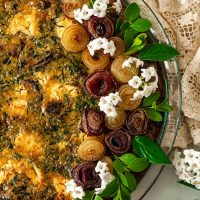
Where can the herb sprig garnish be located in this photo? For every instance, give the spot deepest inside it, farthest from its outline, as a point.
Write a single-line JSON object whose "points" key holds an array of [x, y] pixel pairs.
{"points": [[133, 29], [153, 109]]}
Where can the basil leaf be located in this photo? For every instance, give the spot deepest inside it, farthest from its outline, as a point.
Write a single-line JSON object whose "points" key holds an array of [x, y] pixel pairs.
{"points": [[130, 178], [97, 197], [138, 43], [150, 150], [128, 37], [132, 12], [124, 26], [153, 115], [141, 25], [118, 196], [164, 108], [125, 194], [118, 166], [110, 190], [118, 25], [127, 158], [188, 185], [88, 195], [138, 165], [158, 52], [150, 99], [123, 179]]}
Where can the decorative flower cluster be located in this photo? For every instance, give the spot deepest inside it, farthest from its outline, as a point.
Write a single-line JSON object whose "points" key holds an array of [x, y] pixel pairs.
{"points": [[147, 83], [102, 43], [107, 104], [106, 177], [76, 191], [99, 9], [188, 167]]}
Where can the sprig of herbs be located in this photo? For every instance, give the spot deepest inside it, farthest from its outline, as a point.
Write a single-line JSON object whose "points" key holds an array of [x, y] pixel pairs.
{"points": [[153, 109]]}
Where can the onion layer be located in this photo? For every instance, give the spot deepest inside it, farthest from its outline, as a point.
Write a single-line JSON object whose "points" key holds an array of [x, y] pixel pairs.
{"points": [[119, 142], [122, 75], [137, 122], [126, 93], [92, 122], [99, 83], [75, 38], [100, 27], [84, 174], [91, 150], [117, 122], [98, 61]]}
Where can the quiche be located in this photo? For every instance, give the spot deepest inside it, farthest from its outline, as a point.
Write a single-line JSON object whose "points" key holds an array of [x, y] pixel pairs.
{"points": [[72, 90]]}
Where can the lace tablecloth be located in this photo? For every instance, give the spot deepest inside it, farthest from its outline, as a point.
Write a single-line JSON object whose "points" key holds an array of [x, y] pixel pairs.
{"points": [[181, 20]]}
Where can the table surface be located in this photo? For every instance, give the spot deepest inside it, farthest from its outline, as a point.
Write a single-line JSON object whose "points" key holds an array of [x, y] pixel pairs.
{"points": [[167, 188]]}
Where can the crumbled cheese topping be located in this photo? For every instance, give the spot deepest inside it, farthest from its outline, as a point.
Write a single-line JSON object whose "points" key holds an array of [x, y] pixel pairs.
{"points": [[145, 87], [188, 167], [102, 43], [76, 191], [117, 6], [107, 104], [132, 61], [106, 177]]}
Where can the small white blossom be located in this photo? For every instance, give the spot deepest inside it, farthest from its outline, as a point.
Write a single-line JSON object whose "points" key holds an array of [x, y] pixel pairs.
{"points": [[132, 61], [117, 6], [100, 10], [135, 82], [78, 193], [109, 47], [115, 98], [86, 12], [110, 111], [138, 95], [146, 74], [78, 15], [106, 178], [101, 167], [70, 185], [148, 89], [100, 2], [154, 85]]}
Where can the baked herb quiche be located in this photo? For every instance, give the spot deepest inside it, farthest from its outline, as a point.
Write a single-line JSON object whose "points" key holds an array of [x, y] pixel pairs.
{"points": [[81, 99]]}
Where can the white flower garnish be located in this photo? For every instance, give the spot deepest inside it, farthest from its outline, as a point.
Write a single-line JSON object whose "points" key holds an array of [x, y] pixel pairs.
{"points": [[110, 111], [188, 166], [102, 43], [106, 177], [117, 6], [86, 12], [76, 191], [148, 73], [115, 98], [100, 2], [78, 15], [135, 82], [138, 95], [100, 10], [147, 90], [132, 61]]}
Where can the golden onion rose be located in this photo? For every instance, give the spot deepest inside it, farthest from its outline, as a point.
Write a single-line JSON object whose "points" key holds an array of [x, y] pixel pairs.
{"points": [[126, 93], [120, 46], [122, 75], [75, 38], [70, 5], [117, 122], [109, 162], [98, 61], [91, 149]]}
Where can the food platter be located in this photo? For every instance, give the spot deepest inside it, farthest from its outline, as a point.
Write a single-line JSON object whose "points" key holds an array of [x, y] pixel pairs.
{"points": [[55, 122]]}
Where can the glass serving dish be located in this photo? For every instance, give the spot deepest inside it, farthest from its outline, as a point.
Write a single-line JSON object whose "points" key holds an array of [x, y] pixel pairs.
{"points": [[171, 123]]}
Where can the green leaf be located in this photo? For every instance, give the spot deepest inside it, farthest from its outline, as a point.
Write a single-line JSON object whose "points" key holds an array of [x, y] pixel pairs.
{"points": [[150, 150], [127, 158], [118, 166], [130, 178], [123, 179], [118, 25], [88, 195], [110, 190], [138, 43], [188, 185], [124, 26], [91, 3], [150, 99], [125, 194], [153, 115], [164, 106], [128, 37], [158, 52], [154, 106], [132, 12], [138, 165], [141, 25], [97, 197]]}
